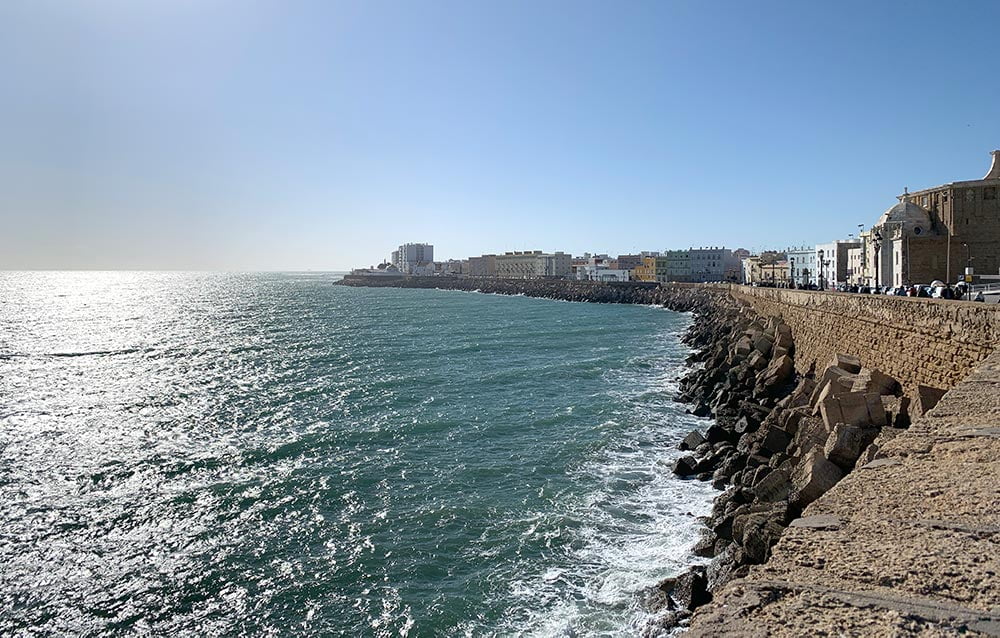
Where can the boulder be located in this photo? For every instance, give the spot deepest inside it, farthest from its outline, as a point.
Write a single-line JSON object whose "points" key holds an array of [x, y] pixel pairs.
{"points": [[743, 346], [743, 425], [846, 362], [853, 408], [876, 409], [777, 373], [692, 440], [720, 479], [802, 392], [759, 473], [723, 569], [812, 434], [834, 382], [775, 486], [757, 528], [874, 381], [789, 420], [758, 361], [763, 345], [896, 411], [778, 460], [718, 434], [775, 440], [845, 444], [759, 537], [783, 336], [690, 589], [925, 400], [685, 466], [813, 476]]}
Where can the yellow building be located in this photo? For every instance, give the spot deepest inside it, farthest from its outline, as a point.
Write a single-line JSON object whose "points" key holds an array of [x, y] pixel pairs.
{"points": [[646, 271]]}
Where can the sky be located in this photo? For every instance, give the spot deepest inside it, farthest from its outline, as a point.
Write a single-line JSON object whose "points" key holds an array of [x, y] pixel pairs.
{"points": [[297, 135]]}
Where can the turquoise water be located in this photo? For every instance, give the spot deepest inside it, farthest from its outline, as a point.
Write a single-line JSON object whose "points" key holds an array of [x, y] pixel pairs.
{"points": [[268, 454]]}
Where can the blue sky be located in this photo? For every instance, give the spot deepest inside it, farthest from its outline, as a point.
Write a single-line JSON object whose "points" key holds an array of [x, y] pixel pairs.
{"points": [[190, 134]]}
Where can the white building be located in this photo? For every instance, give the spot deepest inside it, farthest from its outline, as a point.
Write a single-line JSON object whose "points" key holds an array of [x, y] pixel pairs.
{"points": [[832, 262], [533, 264], [713, 264], [802, 265], [599, 272], [408, 256], [452, 267]]}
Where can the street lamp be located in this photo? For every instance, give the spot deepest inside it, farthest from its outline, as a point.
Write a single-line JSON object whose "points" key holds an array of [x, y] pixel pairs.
{"points": [[877, 243], [968, 268], [821, 270]]}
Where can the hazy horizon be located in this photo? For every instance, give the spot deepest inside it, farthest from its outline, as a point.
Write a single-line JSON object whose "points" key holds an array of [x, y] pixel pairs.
{"points": [[319, 136]]}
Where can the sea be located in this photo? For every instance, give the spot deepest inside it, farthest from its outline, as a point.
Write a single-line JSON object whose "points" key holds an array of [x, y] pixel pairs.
{"points": [[268, 454]]}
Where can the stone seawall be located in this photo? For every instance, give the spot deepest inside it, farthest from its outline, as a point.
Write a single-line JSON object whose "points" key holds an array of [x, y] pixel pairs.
{"points": [[927, 342]]}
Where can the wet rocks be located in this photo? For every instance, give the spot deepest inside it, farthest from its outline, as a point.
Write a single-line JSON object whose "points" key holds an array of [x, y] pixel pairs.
{"points": [[686, 466], [692, 440]]}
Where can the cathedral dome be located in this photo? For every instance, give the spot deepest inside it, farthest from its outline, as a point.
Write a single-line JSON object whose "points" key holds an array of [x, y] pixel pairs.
{"points": [[915, 219]]}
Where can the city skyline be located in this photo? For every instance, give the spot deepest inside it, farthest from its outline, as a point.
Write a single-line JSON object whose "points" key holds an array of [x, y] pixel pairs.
{"points": [[320, 136]]}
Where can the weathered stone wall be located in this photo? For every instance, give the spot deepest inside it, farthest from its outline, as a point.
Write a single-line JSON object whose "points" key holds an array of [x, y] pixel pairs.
{"points": [[917, 341]]}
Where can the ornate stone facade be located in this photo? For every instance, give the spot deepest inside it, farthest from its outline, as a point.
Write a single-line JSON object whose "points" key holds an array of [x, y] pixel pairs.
{"points": [[936, 232]]}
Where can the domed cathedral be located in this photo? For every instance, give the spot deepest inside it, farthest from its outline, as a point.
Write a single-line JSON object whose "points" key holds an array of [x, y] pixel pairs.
{"points": [[937, 232]]}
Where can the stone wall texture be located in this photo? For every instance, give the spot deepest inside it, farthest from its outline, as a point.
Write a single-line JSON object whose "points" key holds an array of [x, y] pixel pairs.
{"points": [[928, 342]]}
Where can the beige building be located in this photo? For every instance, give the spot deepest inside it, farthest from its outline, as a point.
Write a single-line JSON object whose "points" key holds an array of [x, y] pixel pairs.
{"points": [[775, 273], [484, 266], [855, 270], [533, 264], [629, 262], [758, 269], [935, 233]]}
